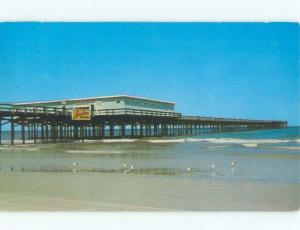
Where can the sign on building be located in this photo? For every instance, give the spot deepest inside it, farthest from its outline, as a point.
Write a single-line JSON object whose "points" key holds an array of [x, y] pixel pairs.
{"points": [[81, 115]]}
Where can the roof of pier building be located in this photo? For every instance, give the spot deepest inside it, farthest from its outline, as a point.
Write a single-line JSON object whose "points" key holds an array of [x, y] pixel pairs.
{"points": [[91, 100]]}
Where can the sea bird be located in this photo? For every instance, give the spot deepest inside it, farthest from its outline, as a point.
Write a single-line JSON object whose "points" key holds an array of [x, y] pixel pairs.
{"points": [[232, 163]]}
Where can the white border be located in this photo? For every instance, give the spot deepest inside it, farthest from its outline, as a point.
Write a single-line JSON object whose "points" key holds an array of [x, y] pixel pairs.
{"points": [[150, 10], [151, 221]]}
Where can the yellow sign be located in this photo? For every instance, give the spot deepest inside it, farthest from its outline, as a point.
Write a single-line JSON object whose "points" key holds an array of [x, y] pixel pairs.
{"points": [[81, 115]]}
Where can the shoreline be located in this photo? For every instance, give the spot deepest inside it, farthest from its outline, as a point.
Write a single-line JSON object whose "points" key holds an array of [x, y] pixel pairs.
{"points": [[118, 192]]}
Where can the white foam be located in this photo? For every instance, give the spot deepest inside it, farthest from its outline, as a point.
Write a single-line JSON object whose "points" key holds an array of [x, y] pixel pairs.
{"points": [[31, 149], [18, 142], [238, 141], [250, 145], [90, 141], [118, 140], [195, 139], [244, 142], [95, 151], [166, 141], [288, 147]]}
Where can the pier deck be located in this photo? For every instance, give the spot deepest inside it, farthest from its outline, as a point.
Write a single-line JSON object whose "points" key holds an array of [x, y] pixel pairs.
{"points": [[51, 124]]}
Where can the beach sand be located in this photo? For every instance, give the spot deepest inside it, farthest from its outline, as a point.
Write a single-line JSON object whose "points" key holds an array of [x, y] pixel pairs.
{"points": [[57, 191]]}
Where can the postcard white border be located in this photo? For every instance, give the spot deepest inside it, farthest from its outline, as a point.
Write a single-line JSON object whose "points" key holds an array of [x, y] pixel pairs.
{"points": [[150, 10]]}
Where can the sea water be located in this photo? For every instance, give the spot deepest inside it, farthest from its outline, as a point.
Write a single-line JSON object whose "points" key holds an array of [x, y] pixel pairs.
{"points": [[264, 156]]}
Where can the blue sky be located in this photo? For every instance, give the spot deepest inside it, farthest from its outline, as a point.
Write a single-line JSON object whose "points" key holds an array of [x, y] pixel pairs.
{"points": [[246, 70]]}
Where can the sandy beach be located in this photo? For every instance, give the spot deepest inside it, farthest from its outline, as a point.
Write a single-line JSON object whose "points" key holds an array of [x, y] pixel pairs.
{"points": [[246, 171], [35, 191]]}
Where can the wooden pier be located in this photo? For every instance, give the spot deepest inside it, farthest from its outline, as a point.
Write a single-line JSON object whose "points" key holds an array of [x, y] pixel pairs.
{"points": [[50, 124]]}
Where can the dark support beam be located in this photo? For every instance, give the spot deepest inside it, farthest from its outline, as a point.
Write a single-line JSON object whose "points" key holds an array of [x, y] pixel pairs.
{"points": [[34, 131], [94, 131], [75, 132], [12, 129], [23, 131], [123, 130], [43, 132], [47, 132], [82, 132], [141, 130], [28, 131], [60, 132], [102, 130], [0, 130], [111, 131], [132, 130]]}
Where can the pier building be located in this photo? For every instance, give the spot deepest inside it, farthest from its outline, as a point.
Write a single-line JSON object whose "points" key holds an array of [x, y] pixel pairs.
{"points": [[107, 102]]}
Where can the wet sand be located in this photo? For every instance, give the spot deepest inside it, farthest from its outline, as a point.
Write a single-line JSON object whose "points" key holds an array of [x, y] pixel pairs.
{"points": [[57, 191]]}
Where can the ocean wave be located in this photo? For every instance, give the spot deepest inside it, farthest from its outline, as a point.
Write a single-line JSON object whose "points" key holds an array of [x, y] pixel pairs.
{"points": [[118, 140], [166, 141], [287, 147], [251, 145], [89, 141], [18, 142], [243, 142], [96, 151], [238, 141]]}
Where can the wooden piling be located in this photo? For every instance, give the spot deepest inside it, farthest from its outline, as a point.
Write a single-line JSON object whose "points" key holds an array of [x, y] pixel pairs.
{"points": [[111, 131], [0, 130], [23, 131], [123, 130], [12, 129], [34, 132]]}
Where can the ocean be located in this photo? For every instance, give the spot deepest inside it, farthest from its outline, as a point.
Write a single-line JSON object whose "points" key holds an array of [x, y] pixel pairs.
{"points": [[248, 159]]}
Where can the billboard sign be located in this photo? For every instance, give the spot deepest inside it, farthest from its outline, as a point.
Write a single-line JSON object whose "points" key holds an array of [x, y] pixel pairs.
{"points": [[81, 115]]}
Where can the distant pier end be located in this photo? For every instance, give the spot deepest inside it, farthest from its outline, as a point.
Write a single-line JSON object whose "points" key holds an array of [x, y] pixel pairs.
{"points": [[111, 117]]}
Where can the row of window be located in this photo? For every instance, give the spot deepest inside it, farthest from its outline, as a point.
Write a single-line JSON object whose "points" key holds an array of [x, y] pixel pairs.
{"points": [[136, 103]]}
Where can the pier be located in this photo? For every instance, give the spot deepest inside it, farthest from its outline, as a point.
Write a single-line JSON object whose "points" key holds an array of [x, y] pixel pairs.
{"points": [[42, 124]]}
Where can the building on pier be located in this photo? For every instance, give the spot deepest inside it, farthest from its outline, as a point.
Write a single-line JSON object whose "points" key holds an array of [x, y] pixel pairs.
{"points": [[108, 102]]}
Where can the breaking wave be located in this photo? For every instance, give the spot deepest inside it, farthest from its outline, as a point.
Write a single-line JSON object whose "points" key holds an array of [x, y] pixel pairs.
{"points": [[287, 147], [239, 141], [18, 142], [243, 142], [118, 140], [251, 145], [95, 151], [167, 141]]}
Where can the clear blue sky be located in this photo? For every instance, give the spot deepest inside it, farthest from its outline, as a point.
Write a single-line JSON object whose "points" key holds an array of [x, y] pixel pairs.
{"points": [[248, 70]]}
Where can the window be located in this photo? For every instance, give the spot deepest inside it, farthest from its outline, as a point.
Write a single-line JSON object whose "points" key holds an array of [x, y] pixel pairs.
{"points": [[118, 101]]}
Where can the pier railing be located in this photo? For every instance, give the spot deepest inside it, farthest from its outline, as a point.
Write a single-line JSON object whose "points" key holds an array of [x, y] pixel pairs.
{"points": [[68, 111], [125, 111], [135, 112], [215, 119]]}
